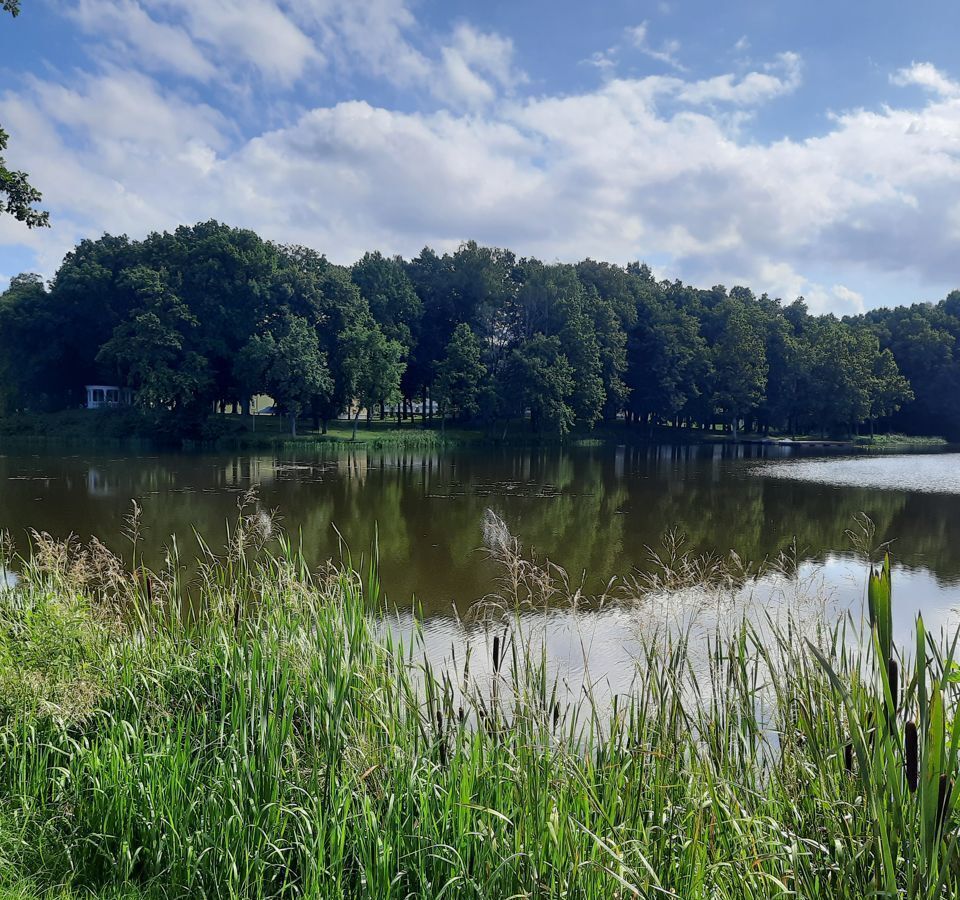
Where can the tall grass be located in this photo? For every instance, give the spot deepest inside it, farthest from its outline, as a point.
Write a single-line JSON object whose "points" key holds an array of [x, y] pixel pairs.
{"points": [[272, 741]]}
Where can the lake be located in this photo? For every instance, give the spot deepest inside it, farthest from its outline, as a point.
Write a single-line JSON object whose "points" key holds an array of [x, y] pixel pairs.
{"points": [[596, 511]]}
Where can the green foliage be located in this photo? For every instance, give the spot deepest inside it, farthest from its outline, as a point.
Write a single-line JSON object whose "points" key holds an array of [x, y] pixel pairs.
{"points": [[288, 364], [17, 195], [460, 374], [373, 366], [268, 737], [390, 294], [739, 363], [539, 378], [907, 767], [185, 318], [152, 349], [880, 608]]}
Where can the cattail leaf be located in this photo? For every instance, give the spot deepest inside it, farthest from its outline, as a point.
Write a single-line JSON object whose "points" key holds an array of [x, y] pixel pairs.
{"points": [[932, 769], [921, 671], [944, 796], [880, 608]]}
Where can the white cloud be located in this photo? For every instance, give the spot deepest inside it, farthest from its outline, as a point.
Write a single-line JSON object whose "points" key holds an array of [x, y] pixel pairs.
{"points": [[927, 76], [665, 53], [219, 40], [638, 34], [636, 168], [752, 88], [124, 110], [202, 40], [475, 67], [604, 60], [849, 298], [156, 45], [372, 36], [257, 32]]}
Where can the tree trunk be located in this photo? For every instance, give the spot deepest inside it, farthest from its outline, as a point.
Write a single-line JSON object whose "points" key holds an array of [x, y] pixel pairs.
{"points": [[735, 427], [356, 419], [293, 424]]}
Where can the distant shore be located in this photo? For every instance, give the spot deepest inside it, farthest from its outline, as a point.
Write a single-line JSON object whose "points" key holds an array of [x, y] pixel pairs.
{"points": [[130, 429]]}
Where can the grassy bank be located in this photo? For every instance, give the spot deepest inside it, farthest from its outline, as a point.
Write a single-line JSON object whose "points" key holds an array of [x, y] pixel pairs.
{"points": [[900, 441], [271, 744], [137, 429]]}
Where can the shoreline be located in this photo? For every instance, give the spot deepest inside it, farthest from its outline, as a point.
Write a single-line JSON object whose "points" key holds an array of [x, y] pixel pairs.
{"points": [[108, 430]]}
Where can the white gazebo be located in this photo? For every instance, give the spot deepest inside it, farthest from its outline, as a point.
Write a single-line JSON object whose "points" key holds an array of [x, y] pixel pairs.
{"points": [[100, 396]]}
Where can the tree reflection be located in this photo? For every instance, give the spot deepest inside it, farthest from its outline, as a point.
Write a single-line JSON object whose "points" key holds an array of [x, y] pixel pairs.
{"points": [[590, 510]]}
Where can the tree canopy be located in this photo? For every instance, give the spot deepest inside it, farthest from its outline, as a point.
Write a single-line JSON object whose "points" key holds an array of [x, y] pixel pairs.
{"points": [[208, 315]]}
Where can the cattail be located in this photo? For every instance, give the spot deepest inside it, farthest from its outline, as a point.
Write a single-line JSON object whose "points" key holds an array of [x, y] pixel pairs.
{"points": [[443, 753], [556, 714], [236, 615], [496, 654], [911, 754], [461, 715], [944, 793], [871, 729], [439, 722], [848, 757], [149, 581], [893, 677]]}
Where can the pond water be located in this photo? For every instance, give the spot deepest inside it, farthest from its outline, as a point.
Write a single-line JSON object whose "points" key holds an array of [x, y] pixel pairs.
{"points": [[595, 511]]}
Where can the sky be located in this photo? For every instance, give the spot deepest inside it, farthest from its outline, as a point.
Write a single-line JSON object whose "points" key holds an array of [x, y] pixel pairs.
{"points": [[798, 148]]}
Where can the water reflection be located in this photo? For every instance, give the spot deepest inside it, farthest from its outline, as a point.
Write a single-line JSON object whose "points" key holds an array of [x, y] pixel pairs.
{"points": [[592, 510], [934, 473], [597, 650]]}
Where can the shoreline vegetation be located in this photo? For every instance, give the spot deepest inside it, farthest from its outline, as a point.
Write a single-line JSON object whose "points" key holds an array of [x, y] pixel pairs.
{"points": [[267, 740], [133, 428], [206, 318]]}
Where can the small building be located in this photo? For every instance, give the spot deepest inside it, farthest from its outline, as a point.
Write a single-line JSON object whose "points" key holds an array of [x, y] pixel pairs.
{"points": [[101, 396]]}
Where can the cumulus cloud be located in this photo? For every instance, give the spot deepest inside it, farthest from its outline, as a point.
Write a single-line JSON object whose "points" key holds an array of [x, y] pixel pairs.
{"points": [[642, 168], [927, 76], [476, 67]]}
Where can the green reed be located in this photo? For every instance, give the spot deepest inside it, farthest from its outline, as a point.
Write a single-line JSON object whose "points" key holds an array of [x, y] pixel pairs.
{"points": [[267, 739]]}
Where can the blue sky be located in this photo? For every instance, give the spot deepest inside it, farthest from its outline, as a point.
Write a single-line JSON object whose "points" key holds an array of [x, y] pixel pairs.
{"points": [[801, 148]]}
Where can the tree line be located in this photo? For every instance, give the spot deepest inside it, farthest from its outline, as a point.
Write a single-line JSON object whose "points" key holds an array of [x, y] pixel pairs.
{"points": [[208, 316]]}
